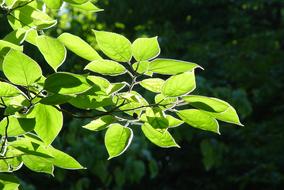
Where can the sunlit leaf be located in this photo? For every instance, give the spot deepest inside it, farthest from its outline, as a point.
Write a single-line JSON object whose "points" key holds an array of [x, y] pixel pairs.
{"points": [[30, 16], [115, 46], [52, 49], [199, 119], [145, 48], [161, 138], [67, 83], [76, 1], [79, 46], [153, 84], [100, 123], [219, 109], [171, 66], [180, 84], [16, 126], [142, 67], [63, 160], [117, 139], [53, 4], [21, 69], [8, 90], [88, 6], [49, 122], [173, 122], [9, 182], [106, 67]]}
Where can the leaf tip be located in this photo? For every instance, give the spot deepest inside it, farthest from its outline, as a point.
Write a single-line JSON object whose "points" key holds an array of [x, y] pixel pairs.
{"points": [[240, 124], [200, 67]]}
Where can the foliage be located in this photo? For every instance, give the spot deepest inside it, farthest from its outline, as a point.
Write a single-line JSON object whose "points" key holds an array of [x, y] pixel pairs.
{"points": [[33, 104]]}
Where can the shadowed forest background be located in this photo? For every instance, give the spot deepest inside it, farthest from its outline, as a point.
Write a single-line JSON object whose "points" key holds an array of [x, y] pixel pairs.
{"points": [[240, 43]]}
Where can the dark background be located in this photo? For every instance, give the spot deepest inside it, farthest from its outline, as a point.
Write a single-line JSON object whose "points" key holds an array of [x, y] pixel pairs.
{"points": [[240, 43]]}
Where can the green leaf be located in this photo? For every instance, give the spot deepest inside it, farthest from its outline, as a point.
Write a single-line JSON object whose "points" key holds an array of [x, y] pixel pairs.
{"points": [[17, 126], [31, 144], [171, 66], [63, 160], [132, 101], [115, 46], [7, 44], [38, 164], [53, 4], [12, 161], [67, 83], [106, 67], [31, 37], [207, 103], [229, 116], [178, 85], [115, 87], [9, 182], [165, 102], [145, 48], [52, 49], [4, 49], [88, 6], [49, 122], [30, 16], [199, 119], [161, 138], [16, 37], [142, 67], [219, 109], [100, 123], [79, 46], [90, 102], [153, 84], [173, 122], [100, 81], [117, 139], [76, 1], [156, 118], [8, 90], [105, 87], [21, 69], [36, 156]]}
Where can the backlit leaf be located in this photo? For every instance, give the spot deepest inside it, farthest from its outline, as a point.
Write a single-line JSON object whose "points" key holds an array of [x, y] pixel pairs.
{"points": [[117, 139], [153, 84], [21, 69], [145, 48], [115, 46], [171, 66], [67, 83], [161, 138], [79, 46], [106, 67], [52, 49], [199, 119], [100, 123], [180, 84], [49, 122]]}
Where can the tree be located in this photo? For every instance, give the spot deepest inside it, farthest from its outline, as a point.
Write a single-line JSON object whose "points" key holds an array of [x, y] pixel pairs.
{"points": [[32, 103]]}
